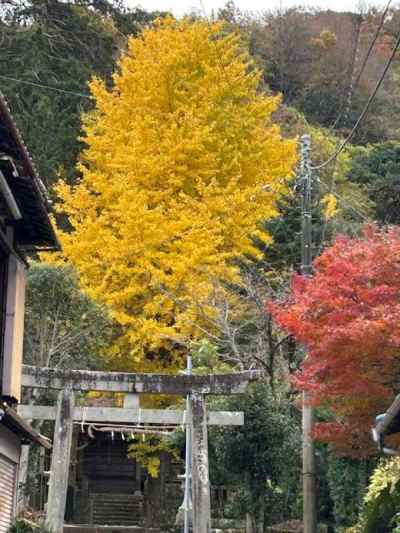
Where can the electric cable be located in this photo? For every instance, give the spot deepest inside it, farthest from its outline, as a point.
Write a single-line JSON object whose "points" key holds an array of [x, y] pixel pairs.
{"points": [[366, 58], [325, 223], [340, 198], [48, 87], [372, 44], [364, 111]]}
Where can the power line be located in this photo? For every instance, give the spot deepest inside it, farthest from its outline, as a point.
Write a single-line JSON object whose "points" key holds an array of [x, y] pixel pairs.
{"points": [[325, 224], [372, 44], [365, 60], [359, 202], [345, 203], [47, 87], [346, 102], [364, 111], [363, 216]]}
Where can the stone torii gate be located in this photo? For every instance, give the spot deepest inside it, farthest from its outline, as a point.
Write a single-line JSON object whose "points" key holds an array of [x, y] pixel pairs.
{"points": [[68, 381]]}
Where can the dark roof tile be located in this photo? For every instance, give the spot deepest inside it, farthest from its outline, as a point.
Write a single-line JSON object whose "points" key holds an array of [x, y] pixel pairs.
{"points": [[35, 205]]}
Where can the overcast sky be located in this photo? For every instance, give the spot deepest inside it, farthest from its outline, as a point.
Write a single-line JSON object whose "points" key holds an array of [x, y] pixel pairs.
{"points": [[179, 7]]}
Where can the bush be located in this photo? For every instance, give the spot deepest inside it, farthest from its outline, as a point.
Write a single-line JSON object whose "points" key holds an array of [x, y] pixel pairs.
{"points": [[22, 525], [348, 483], [382, 501], [259, 461]]}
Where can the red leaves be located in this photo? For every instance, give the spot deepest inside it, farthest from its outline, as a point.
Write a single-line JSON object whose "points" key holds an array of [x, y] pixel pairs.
{"points": [[348, 317]]}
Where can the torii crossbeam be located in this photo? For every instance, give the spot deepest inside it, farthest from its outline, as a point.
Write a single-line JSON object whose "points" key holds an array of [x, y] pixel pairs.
{"points": [[68, 381], [180, 384]]}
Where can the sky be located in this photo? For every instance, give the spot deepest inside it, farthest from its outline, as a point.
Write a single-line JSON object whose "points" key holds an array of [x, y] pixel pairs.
{"points": [[179, 7]]}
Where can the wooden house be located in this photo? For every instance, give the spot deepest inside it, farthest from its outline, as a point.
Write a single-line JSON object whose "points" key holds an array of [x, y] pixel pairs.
{"points": [[25, 227]]}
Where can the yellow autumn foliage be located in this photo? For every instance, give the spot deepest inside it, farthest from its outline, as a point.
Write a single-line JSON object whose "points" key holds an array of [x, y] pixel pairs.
{"points": [[147, 451], [330, 205], [183, 160]]}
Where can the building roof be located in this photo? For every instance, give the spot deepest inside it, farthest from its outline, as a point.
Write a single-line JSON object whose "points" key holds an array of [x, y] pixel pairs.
{"points": [[19, 426], [34, 230]]}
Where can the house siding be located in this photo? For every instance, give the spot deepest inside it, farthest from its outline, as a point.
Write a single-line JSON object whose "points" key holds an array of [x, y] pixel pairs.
{"points": [[10, 449]]}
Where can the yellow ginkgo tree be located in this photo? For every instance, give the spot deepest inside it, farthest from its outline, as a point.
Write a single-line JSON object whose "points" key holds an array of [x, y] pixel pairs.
{"points": [[182, 161]]}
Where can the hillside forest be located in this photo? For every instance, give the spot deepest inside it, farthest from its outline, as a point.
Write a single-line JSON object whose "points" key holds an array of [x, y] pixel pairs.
{"points": [[170, 151]]}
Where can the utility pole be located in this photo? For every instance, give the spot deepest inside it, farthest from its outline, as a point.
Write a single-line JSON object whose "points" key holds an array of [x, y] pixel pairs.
{"points": [[309, 482]]}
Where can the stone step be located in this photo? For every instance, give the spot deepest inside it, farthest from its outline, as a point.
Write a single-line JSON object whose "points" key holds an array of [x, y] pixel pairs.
{"points": [[108, 529], [126, 523], [112, 503], [125, 501], [115, 515], [129, 529], [111, 499], [122, 495], [114, 508], [116, 518]]}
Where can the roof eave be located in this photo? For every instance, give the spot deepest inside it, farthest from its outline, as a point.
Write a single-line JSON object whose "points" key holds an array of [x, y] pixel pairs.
{"points": [[22, 428], [30, 170]]}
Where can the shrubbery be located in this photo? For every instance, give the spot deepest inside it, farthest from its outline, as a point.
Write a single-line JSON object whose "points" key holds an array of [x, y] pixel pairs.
{"points": [[380, 513], [22, 525]]}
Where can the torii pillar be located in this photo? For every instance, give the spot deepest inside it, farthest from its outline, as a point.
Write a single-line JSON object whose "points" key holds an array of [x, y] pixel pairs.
{"points": [[58, 485], [200, 474]]}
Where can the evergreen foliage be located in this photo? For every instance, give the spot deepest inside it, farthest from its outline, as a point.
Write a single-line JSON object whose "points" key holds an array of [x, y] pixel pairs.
{"points": [[260, 459], [62, 45], [348, 481], [26, 526], [377, 168], [380, 513], [63, 327]]}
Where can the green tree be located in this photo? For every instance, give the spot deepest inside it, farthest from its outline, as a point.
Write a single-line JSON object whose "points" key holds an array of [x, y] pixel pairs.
{"points": [[62, 45], [347, 480], [314, 57], [63, 327], [260, 461], [377, 168], [380, 510]]}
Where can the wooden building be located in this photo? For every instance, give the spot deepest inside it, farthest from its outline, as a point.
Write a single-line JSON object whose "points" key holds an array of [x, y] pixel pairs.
{"points": [[106, 487], [25, 227]]}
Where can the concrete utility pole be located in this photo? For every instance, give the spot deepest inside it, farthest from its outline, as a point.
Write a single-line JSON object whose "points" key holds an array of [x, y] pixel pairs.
{"points": [[309, 484]]}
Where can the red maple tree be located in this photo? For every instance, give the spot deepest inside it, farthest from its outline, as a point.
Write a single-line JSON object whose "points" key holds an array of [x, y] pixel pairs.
{"points": [[347, 316]]}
